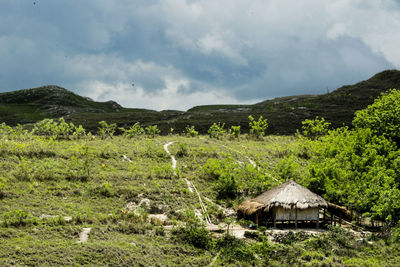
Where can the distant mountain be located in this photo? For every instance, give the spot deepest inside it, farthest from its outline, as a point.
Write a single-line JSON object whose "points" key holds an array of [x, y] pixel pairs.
{"points": [[284, 114], [29, 105]]}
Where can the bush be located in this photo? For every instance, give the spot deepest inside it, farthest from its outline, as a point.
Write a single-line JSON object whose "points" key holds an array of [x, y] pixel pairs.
{"points": [[235, 131], [58, 129], [257, 128], [190, 131], [193, 232], [152, 131], [235, 250], [288, 168], [315, 128], [106, 189], [216, 130], [106, 130], [134, 131], [358, 169], [18, 218], [183, 150], [79, 166], [382, 117], [79, 132]]}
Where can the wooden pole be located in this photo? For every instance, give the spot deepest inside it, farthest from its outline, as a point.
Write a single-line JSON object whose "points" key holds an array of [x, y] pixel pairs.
{"points": [[296, 219], [318, 219]]}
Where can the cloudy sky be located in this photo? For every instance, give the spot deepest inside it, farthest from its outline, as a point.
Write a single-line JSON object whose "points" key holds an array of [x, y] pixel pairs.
{"points": [[175, 54]]}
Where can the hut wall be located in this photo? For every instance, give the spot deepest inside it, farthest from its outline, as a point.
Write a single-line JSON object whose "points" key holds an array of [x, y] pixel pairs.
{"points": [[310, 214]]}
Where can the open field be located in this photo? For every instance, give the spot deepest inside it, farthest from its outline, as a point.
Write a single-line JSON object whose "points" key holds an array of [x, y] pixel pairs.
{"points": [[127, 193]]}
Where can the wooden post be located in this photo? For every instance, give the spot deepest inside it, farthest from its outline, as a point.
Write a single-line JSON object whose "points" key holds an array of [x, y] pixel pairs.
{"points": [[296, 219], [274, 222], [318, 219]]}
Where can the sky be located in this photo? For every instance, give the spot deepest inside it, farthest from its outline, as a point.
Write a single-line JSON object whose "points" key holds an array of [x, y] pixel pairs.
{"points": [[176, 54]]}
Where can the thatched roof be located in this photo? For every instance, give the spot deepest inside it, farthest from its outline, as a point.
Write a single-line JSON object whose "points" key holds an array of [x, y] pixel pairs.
{"points": [[339, 211], [287, 195]]}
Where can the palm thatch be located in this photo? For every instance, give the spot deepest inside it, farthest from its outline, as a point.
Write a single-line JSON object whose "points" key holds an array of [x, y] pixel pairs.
{"points": [[287, 195], [339, 211]]}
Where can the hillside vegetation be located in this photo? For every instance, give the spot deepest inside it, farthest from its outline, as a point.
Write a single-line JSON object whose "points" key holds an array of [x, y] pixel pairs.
{"points": [[284, 114], [58, 182]]}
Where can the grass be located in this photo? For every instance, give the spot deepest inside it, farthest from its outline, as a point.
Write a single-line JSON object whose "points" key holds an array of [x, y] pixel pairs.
{"points": [[90, 181]]}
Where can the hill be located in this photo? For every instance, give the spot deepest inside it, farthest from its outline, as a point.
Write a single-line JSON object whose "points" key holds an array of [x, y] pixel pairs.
{"points": [[119, 202], [284, 114], [30, 105]]}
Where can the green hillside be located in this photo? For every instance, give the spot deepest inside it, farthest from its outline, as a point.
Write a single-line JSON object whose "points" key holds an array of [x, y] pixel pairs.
{"points": [[73, 198], [284, 114]]}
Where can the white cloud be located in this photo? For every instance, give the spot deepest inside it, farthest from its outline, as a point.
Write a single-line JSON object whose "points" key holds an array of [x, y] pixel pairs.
{"points": [[226, 49], [170, 97], [116, 84]]}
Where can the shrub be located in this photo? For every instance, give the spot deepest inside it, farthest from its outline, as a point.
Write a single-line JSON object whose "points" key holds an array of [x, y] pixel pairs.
{"points": [[216, 130], [106, 130], [225, 172], [257, 128], [134, 131], [235, 131], [79, 166], [58, 129], [106, 189], [383, 116], [183, 150], [79, 132], [190, 131], [235, 250], [315, 128], [152, 130], [288, 168], [193, 232], [18, 218]]}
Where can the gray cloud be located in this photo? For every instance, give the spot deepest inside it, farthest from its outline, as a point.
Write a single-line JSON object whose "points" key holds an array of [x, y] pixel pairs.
{"points": [[211, 51]]}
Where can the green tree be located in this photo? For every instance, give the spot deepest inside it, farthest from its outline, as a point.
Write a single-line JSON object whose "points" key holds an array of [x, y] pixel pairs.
{"points": [[190, 131], [383, 116], [106, 130], [152, 130], [133, 131], [315, 128], [216, 130], [235, 131], [257, 128]]}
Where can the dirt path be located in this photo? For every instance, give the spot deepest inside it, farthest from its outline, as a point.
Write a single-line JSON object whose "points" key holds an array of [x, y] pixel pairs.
{"points": [[248, 158], [192, 188], [240, 153], [172, 156], [84, 235]]}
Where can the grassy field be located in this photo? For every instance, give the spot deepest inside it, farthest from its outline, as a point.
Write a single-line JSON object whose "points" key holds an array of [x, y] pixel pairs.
{"points": [[51, 189]]}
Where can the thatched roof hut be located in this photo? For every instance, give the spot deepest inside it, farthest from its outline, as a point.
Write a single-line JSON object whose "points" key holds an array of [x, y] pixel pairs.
{"points": [[286, 202]]}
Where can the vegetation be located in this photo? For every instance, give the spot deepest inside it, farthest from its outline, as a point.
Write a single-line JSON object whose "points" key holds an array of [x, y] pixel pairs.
{"points": [[284, 114], [315, 128], [57, 179], [359, 168], [216, 130], [257, 128]]}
